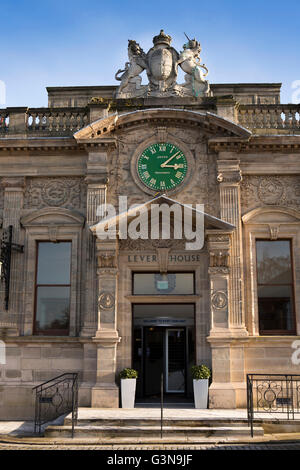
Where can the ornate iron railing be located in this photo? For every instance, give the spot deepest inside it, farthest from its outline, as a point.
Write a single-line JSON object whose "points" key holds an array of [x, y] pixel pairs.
{"points": [[275, 393], [54, 398]]}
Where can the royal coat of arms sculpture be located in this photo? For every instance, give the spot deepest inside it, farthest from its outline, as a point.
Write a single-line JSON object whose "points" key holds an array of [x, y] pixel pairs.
{"points": [[161, 64]]}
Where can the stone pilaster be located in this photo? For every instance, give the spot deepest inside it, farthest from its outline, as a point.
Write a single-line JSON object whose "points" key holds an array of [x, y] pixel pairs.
{"points": [[219, 247], [96, 197], [13, 204], [105, 394], [229, 178]]}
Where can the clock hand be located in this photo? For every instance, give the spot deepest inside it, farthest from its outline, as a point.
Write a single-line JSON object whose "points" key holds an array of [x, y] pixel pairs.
{"points": [[171, 158], [176, 166]]}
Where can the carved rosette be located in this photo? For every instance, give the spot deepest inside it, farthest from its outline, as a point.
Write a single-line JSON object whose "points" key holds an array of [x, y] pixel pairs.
{"points": [[55, 192], [106, 300], [257, 191]]}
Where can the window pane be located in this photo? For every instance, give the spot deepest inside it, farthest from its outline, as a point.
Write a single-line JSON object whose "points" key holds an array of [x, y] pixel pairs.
{"points": [[273, 262], [275, 313], [52, 312], [54, 263], [163, 284]]}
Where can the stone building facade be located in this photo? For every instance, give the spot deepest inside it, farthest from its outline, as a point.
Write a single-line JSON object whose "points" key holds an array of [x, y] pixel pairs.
{"points": [[113, 303]]}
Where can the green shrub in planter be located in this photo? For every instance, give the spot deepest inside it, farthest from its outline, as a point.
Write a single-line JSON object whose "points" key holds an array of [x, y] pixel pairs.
{"points": [[200, 372], [128, 374]]}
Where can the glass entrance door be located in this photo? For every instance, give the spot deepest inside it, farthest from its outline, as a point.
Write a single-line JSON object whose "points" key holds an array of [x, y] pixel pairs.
{"points": [[153, 360], [164, 352], [163, 341], [175, 360]]}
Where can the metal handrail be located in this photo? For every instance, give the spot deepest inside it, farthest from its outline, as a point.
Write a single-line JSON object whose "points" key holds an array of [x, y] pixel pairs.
{"points": [[161, 404], [56, 397], [273, 393]]}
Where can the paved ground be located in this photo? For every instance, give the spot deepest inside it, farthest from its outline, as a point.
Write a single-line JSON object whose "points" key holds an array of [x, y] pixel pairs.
{"points": [[55, 447]]}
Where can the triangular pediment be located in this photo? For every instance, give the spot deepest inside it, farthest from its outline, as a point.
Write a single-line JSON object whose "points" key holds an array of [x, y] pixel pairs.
{"points": [[209, 123], [192, 211]]}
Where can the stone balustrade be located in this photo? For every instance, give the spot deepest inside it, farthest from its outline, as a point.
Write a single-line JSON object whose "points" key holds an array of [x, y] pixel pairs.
{"points": [[284, 117], [4, 120], [58, 120], [263, 119], [43, 121]]}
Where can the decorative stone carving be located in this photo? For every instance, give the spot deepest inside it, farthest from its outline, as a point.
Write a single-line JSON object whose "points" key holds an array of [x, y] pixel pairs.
{"points": [[274, 231], [219, 299], [218, 270], [55, 192], [219, 258], [151, 245], [270, 191], [107, 260], [53, 232], [106, 300], [163, 258], [229, 177], [190, 62], [161, 64]]}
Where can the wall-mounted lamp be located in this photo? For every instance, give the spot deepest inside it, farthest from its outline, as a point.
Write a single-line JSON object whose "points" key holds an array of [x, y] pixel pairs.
{"points": [[6, 247]]}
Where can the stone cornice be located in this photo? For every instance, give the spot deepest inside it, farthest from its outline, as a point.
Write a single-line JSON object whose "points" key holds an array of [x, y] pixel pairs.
{"points": [[280, 143], [46, 144], [211, 124]]}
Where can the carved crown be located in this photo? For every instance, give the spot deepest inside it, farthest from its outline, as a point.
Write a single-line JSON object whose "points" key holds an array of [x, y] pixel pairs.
{"points": [[162, 38]]}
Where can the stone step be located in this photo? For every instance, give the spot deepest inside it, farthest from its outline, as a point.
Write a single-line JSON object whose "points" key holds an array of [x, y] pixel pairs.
{"points": [[155, 421], [187, 432]]}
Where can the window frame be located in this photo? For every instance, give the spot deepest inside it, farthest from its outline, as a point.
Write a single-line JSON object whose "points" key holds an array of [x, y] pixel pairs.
{"points": [[52, 332], [53, 224], [158, 272], [283, 332]]}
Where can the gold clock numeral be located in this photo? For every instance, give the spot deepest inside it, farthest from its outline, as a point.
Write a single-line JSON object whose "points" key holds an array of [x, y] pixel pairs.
{"points": [[146, 174], [178, 174], [152, 181]]}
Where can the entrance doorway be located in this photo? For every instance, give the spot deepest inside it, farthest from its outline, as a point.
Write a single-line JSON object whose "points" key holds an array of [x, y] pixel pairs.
{"points": [[160, 346]]}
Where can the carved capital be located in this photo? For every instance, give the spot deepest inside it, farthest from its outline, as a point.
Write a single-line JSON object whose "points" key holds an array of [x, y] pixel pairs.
{"points": [[218, 270], [230, 177], [229, 172], [17, 182], [107, 260], [219, 259]]}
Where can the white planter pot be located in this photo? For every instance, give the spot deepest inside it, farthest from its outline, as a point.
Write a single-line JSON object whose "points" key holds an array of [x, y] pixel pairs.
{"points": [[128, 392], [200, 393]]}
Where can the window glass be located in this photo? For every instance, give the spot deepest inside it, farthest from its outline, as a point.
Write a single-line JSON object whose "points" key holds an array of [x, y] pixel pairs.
{"points": [[275, 287], [273, 262], [53, 288], [54, 263], [163, 284], [52, 308]]}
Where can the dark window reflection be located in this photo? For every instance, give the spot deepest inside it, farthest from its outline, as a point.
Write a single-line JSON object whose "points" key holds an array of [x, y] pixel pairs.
{"points": [[275, 287], [163, 284], [53, 288]]}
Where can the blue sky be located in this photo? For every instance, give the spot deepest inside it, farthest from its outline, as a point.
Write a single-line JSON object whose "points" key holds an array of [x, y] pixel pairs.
{"points": [[71, 42]]}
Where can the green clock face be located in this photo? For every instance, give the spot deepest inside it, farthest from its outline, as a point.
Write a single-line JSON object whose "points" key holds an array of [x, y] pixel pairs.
{"points": [[162, 166]]}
